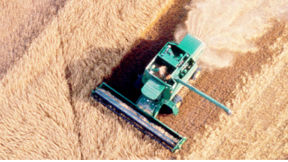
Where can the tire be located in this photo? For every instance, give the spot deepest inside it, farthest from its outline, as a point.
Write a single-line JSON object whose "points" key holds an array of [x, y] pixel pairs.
{"points": [[177, 100], [196, 74]]}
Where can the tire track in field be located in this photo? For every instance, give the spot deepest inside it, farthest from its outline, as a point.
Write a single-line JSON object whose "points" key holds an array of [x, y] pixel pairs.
{"points": [[22, 22]]}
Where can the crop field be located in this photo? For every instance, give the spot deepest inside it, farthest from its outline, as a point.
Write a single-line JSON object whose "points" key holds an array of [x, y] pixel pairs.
{"points": [[54, 52]]}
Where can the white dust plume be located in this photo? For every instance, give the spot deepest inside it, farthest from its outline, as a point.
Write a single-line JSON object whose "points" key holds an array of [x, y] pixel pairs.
{"points": [[229, 27]]}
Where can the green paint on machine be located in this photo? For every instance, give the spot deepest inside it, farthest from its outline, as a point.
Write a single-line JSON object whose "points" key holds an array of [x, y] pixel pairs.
{"points": [[162, 80]]}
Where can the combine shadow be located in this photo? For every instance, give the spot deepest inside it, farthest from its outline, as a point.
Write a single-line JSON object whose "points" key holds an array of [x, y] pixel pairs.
{"points": [[125, 75], [134, 62], [86, 74]]}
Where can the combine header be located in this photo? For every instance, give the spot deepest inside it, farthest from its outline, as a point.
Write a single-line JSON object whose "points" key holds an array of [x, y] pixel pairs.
{"points": [[160, 83]]}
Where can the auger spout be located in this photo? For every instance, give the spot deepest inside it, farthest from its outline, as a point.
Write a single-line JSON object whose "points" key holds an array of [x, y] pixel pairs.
{"points": [[227, 110]]}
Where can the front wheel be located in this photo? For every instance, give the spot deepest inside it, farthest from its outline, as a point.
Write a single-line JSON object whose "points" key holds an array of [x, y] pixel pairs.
{"points": [[196, 74], [177, 100]]}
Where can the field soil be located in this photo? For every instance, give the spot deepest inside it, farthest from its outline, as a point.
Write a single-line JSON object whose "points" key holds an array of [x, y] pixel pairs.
{"points": [[53, 53]]}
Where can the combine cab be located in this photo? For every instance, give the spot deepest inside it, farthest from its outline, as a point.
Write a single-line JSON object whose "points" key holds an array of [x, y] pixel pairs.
{"points": [[161, 81]]}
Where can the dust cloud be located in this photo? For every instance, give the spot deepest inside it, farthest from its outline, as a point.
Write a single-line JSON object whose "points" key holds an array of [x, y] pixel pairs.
{"points": [[229, 27]]}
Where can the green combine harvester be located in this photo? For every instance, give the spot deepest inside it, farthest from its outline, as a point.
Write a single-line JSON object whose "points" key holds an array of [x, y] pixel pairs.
{"points": [[161, 81]]}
